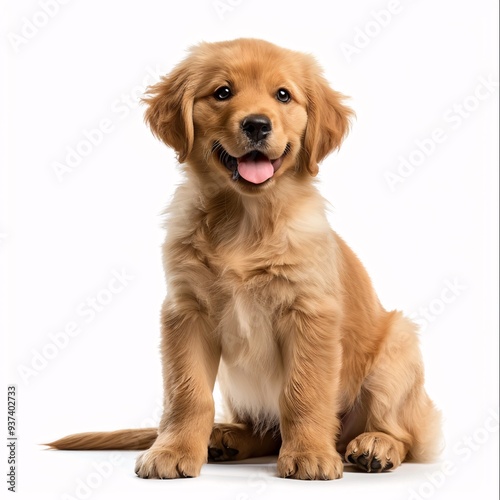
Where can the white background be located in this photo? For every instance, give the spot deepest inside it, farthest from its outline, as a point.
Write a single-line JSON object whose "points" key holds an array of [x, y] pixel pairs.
{"points": [[432, 237]]}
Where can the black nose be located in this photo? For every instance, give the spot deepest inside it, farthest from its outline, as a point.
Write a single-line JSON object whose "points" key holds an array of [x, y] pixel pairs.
{"points": [[256, 127]]}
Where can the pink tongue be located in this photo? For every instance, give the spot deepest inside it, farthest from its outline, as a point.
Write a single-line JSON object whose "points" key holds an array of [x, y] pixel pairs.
{"points": [[255, 170]]}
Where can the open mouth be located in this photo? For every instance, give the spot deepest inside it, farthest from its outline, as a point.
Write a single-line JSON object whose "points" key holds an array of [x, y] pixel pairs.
{"points": [[254, 167]]}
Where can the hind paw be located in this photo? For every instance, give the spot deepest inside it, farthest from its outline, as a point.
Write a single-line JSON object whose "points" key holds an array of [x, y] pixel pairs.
{"points": [[375, 452]]}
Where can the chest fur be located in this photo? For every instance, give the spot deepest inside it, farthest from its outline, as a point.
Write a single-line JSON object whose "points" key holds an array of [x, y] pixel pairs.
{"points": [[251, 369]]}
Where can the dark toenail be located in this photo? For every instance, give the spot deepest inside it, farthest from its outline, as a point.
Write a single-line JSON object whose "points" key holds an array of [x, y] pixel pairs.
{"points": [[388, 465], [350, 459], [363, 460], [215, 453], [376, 465], [232, 452]]}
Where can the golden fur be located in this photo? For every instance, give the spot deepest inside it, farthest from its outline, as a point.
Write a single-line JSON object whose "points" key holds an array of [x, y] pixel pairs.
{"points": [[262, 293]]}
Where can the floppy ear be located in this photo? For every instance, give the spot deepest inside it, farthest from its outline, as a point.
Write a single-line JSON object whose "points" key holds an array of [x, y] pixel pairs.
{"points": [[327, 123], [170, 110]]}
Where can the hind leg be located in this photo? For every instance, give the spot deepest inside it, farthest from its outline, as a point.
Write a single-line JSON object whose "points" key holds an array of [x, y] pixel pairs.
{"points": [[402, 422], [239, 441]]}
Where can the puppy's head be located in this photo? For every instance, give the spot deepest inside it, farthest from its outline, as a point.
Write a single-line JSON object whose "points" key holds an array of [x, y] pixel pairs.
{"points": [[246, 113]]}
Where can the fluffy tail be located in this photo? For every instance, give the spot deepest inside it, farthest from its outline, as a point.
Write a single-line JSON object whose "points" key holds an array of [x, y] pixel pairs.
{"points": [[128, 439]]}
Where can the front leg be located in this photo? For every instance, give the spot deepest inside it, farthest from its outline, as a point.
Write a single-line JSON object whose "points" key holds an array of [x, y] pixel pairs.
{"points": [[190, 356], [308, 405]]}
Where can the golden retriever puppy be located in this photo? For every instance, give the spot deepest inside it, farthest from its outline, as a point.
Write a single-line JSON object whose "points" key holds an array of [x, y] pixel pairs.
{"points": [[262, 293]]}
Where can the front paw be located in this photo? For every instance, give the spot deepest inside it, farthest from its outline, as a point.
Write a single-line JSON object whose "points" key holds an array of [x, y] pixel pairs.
{"points": [[169, 463], [310, 465]]}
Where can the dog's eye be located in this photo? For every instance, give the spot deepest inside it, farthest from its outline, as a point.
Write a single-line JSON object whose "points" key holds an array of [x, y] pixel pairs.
{"points": [[283, 95], [223, 93]]}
